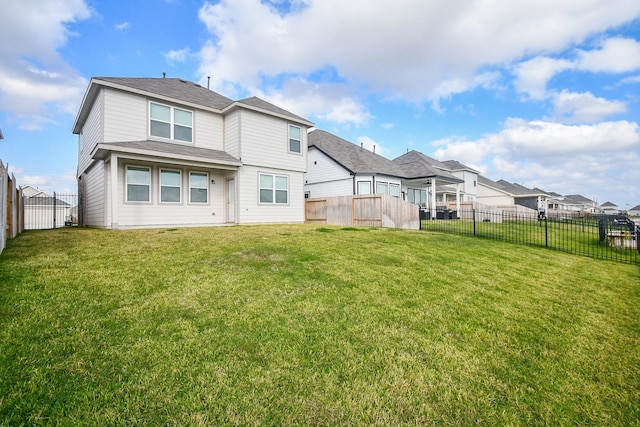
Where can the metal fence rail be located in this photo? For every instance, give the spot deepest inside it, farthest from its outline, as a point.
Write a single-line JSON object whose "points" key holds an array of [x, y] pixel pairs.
{"points": [[608, 237], [42, 211]]}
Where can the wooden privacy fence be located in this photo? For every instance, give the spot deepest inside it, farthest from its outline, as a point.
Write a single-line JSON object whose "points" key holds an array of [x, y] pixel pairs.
{"points": [[373, 210], [11, 220]]}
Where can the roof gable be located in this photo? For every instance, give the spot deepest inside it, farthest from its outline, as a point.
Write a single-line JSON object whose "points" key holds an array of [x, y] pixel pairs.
{"points": [[351, 157], [258, 104], [175, 90]]}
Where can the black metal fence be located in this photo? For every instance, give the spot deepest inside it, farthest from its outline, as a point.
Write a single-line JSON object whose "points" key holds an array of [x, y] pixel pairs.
{"points": [[43, 211], [599, 236]]}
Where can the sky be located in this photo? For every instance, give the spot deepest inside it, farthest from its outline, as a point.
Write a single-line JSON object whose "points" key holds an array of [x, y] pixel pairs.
{"points": [[542, 93]]}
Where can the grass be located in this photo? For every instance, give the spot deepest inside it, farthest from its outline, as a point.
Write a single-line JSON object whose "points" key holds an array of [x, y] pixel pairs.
{"points": [[304, 325], [580, 236]]}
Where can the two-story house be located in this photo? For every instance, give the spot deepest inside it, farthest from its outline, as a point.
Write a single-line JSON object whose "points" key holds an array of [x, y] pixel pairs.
{"points": [[155, 152]]}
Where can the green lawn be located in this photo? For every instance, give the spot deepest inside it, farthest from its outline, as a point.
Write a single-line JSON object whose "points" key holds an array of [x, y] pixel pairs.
{"points": [[579, 236], [307, 325]]}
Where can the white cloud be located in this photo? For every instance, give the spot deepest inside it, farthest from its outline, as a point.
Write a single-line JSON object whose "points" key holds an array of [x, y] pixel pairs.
{"points": [[533, 75], [613, 55], [35, 83], [616, 55], [584, 107], [554, 156], [425, 50], [123, 26], [331, 101], [177, 56]]}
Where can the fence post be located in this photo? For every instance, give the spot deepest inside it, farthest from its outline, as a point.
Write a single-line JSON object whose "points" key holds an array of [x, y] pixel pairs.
{"points": [[474, 221], [546, 233], [54, 210]]}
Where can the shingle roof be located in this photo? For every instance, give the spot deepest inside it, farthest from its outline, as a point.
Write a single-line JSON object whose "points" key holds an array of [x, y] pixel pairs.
{"points": [[414, 156], [44, 199], [508, 187], [178, 89], [170, 150], [264, 105], [609, 204], [578, 199], [360, 160], [353, 158], [419, 165], [455, 165]]}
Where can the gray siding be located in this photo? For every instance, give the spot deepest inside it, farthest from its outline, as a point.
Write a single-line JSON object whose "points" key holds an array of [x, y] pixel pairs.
{"points": [[125, 116], [95, 195], [265, 142], [91, 133]]}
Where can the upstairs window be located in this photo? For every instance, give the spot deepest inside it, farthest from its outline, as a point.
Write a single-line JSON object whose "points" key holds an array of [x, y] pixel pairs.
{"points": [[170, 122], [295, 139]]}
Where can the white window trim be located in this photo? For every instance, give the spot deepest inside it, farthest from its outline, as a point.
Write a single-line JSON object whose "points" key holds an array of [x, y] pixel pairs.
{"points": [[206, 187], [126, 184], [397, 186], [171, 186], [289, 139], [172, 123], [363, 182], [273, 189], [384, 184]]}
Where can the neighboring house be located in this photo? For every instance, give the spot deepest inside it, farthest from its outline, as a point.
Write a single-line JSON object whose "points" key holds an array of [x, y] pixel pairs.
{"points": [[503, 193], [634, 211], [337, 167], [157, 152], [576, 202], [462, 190], [43, 211], [609, 208]]}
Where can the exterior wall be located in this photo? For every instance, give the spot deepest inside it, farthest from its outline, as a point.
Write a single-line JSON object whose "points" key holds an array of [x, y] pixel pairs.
{"points": [[94, 197], [232, 133], [125, 116], [92, 132], [325, 178], [208, 129], [491, 197], [265, 142], [251, 211], [157, 214]]}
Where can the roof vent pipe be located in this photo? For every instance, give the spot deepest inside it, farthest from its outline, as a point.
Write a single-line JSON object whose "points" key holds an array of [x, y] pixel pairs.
{"points": [[164, 75], [374, 148], [208, 80]]}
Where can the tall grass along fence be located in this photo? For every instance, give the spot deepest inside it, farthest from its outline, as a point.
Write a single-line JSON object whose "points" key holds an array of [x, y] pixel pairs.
{"points": [[11, 220], [372, 210], [598, 236]]}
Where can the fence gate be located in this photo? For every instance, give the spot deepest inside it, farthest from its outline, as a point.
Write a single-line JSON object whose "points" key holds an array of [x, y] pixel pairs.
{"points": [[43, 211]]}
